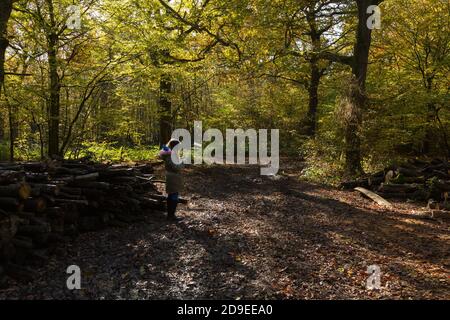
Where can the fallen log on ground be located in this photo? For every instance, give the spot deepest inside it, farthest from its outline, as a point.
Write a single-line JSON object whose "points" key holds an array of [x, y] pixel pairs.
{"points": [[379, 200], [398, 188], [416, 179], [20, 190], [8, 176]]}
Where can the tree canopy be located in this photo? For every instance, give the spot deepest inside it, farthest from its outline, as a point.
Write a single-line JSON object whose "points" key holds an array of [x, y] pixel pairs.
{"points": [[126, 73]]}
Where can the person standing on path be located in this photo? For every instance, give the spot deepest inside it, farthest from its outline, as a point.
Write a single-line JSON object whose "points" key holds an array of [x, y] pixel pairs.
{"points": [[174, 179]]}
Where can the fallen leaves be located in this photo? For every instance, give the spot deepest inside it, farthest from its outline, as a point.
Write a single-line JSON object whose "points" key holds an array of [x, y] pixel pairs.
{"points": [[246, 236]]}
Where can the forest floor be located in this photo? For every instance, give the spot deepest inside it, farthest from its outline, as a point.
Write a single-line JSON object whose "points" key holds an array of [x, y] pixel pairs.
{"points": [[250, 236]]}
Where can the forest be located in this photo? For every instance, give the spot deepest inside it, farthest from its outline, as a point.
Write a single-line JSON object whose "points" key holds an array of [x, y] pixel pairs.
{"points": [[115, 84], [359, 89]]}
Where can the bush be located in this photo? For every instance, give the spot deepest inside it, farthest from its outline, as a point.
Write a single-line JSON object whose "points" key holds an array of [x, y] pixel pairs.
{"points": [[4, 150], [324, 161], [111, 151]]}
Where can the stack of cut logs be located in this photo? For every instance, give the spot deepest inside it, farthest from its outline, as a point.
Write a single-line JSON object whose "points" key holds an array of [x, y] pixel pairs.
{"points": [[43, 204], [415, 180]]}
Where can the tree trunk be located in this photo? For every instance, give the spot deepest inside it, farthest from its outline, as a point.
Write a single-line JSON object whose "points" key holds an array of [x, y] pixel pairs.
{"points": [[5, 13], [353, 121], [2, 135], [54, 87], [443, 130], [315, 72], [313, 92], [165, 106], [11, 132], [357, 96], [428, 139], [13, 110]]}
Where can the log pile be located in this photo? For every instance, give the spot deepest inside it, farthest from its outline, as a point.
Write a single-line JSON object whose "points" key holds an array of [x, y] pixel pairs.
{"points": [[43, 204], [414, 180]]}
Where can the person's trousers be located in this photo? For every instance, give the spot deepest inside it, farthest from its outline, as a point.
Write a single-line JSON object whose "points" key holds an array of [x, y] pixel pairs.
{"points": [[172, 202]]}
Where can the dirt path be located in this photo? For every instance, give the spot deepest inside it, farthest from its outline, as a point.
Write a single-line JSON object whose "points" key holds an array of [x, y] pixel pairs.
{"points": [[247, 236]]}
